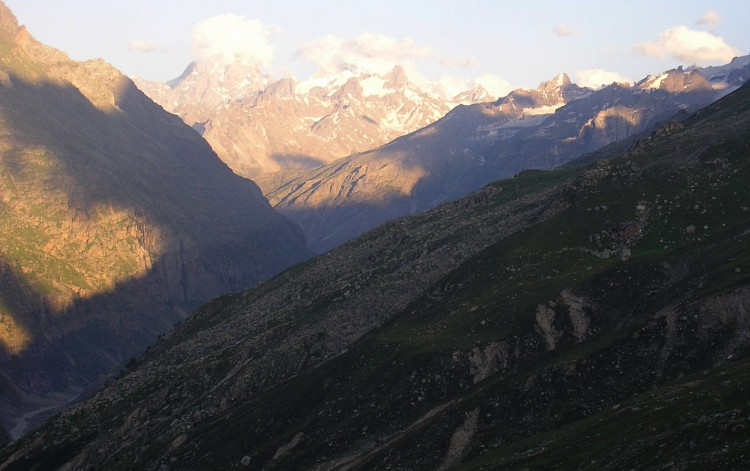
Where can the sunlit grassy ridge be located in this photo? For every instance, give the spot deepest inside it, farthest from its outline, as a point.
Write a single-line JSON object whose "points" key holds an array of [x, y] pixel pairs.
{"points": [[60, 248]]}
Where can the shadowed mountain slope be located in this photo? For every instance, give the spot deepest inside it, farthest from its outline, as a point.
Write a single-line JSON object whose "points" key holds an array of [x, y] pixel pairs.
{"points": [[586, 318], [115, 220]]}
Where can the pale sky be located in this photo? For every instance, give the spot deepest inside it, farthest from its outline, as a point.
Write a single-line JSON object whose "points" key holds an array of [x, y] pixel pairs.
{"points": [[507, 44]]}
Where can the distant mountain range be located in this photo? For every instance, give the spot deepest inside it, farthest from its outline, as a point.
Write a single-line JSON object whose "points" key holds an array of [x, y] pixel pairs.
{"points": [[591, 317], [474, 145], [259, 125], [116, 220], [341, 154]]}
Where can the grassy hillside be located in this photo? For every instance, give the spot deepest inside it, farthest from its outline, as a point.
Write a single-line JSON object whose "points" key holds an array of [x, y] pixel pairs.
{"points": [[590, 317]]}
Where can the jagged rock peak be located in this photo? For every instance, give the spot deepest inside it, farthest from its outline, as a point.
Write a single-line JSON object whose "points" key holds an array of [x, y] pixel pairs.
{"points": [[675, 81], [396, 77], [8, 22], [282, 87], [474, 95], [175, 82], [239, 75], [351, 88], [559, 82]]}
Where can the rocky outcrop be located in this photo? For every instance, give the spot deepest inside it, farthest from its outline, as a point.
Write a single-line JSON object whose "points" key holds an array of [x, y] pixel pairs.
{"points": [[460, 441], [486, 361], [579, 321]]}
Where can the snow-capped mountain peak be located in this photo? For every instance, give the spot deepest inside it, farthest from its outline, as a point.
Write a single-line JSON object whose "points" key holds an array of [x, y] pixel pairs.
{"points": [[730, 76], [674, 81], [258, 125]]}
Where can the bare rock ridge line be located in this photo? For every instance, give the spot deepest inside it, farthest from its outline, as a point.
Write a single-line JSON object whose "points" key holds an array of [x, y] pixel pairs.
{"points": [[474, 145], [341, 154], [259, 125], [116, 220]]}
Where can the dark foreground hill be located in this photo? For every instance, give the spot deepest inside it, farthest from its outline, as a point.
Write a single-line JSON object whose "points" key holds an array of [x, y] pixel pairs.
{"points": [[116, 219], [587, 318]]}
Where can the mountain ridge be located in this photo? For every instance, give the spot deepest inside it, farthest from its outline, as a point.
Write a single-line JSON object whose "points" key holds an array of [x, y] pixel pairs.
{"points": [[116, 220], [260, 125], [561, 317], [474, 145]]}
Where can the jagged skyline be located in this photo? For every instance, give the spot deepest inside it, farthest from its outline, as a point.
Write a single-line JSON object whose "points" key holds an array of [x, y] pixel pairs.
{"points": [[502, 45]]}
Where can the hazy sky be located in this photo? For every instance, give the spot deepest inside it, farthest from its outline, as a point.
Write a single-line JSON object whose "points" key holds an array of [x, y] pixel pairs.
{"points": [[507, 44]]}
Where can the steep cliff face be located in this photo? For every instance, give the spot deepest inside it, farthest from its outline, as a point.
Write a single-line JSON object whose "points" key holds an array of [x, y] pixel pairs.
{"points": [[585, 317], [116, 219]]}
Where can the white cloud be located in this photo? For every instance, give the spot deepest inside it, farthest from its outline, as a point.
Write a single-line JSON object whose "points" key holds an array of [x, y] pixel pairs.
{"points": [[597, 78], [226, 38], [710, 18], [138, 45], [379, 54], [689, 46], [564, 31], [450, 85], [495, 85], [373, 53]]}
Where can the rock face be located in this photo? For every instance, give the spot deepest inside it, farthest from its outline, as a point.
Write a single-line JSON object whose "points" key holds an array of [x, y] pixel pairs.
{"points": [[258, 125], [473, 146], [490, 332], [116, 219]]}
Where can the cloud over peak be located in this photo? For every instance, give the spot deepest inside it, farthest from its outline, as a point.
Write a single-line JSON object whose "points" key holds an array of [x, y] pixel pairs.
{"points": [[689, 46], [228, 37], [369, 52], [597, 78]]}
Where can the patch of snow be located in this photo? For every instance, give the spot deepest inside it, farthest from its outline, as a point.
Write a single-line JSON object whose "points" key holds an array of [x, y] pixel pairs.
{"points": [[330, 82], [413, 95], [507, 129], [546, 109], [719, 73], [373, 86], [656, 83], [392, 121]]}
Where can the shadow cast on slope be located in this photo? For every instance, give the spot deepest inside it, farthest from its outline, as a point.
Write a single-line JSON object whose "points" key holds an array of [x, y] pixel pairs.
{"points": [[206, 230], [297, 161]]}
